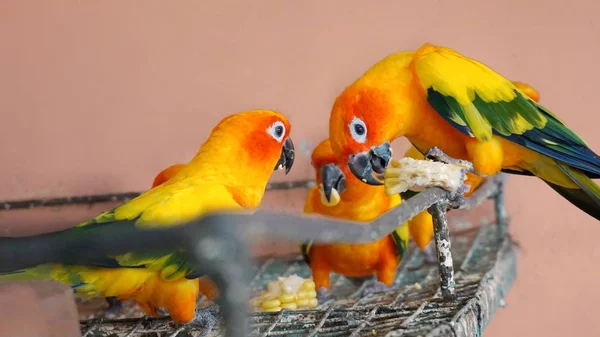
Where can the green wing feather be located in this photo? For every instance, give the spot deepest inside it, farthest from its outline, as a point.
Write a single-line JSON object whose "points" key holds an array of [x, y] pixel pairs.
{"points": [[305, 250], [479, 102], [400, 236], [139, 212]]}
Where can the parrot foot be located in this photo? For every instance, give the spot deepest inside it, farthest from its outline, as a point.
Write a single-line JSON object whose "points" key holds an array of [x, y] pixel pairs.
{"points": [[436, 154], [323, 295], [457, 198], [206, 318], [374, 286], [115, 306]]}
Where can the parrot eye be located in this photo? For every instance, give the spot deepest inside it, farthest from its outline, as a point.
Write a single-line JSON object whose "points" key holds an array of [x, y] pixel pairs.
{"points": [[358, 130], [277, 131]]}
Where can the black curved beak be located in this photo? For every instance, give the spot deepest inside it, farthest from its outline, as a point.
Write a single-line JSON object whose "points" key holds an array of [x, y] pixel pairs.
{"points": [[365, 165], [332, 177], [287, 156]]}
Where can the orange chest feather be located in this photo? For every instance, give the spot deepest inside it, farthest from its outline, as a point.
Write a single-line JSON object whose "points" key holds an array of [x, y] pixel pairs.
{"points": [[356, 259], [248, 198], [368, 208]]}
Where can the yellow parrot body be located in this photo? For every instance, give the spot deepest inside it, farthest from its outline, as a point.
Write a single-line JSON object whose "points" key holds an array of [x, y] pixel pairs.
{"points": [[212, 181], [358, 202], [437, 97]]}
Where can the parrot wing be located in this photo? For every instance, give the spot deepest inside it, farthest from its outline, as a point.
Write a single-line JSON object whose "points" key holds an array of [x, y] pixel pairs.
{"points": [[165, 205], [480, 103], [308, 209], [400, 236]]}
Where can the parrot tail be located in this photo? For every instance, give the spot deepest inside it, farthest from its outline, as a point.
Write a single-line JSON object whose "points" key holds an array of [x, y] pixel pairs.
{"points": [[45, 272], [22, 255], [20, 275], [69, 247], [40, 273], [586, 198]]}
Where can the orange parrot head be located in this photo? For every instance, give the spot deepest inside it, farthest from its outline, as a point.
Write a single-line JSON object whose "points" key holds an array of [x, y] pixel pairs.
{"points": [[361, 126], [250, 143], [261, 136]]}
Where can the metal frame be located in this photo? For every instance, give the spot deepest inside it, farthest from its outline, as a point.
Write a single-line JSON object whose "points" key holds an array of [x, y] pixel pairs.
{"points": [[118, 197]]}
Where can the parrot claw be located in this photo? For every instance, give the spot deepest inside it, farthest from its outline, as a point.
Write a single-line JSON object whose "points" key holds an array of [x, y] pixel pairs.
{"points": [[323, 295], [457, 199], [436, 154], [374, 286], [115, 306], [206, 319]]}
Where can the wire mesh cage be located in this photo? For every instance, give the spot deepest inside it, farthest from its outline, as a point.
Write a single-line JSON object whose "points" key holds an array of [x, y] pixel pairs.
{"points": [[428, 299], [485, 264]]}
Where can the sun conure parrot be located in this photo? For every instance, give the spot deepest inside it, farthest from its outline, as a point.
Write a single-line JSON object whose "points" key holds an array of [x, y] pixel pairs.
{"points": [[339, 194], [437, 97], [205, 286], [421, 227], [229, 173]]}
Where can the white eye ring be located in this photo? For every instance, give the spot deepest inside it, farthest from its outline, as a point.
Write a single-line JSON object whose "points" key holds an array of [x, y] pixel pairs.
{"points": [[277, 131], [358, 130]]}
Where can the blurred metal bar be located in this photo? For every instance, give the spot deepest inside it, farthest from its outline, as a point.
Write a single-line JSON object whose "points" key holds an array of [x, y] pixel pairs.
{"points": [[442, 247], [119, 197], [221, 254], [500, 210]]}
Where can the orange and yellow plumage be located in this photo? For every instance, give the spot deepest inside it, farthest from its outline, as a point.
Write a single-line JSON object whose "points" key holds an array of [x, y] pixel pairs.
{"points": [[421, 226], [436, 97], [229, 173], [357, 202]]}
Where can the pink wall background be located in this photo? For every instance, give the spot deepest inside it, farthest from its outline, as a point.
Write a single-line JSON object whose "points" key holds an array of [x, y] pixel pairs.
{"points": [[98, 96]]}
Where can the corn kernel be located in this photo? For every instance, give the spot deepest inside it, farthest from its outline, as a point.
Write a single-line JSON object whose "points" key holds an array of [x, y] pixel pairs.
{"points": [[302, 295], [289, 293], [290, 306], [302, 303], [308, 285], [271, 304], [274, 309], [287, 298]]}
